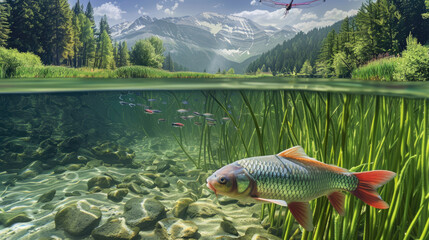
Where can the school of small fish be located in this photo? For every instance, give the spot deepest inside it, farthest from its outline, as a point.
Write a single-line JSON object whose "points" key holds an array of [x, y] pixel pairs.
{"points": [[128, 99]]}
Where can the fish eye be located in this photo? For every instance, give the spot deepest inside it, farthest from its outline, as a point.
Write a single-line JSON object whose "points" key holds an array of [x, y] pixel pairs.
{"points": [[222, 180]]}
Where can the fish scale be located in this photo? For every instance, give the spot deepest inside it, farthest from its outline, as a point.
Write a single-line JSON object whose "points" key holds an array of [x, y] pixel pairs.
{"points": [[280, 178]]}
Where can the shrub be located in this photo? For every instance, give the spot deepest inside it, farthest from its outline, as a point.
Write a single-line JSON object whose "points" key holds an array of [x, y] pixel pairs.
{"points": [[414, 64], [11, 59]]}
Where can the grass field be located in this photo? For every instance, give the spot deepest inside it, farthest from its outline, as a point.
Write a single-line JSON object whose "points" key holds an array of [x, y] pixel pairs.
{"points": [[123, 72], [381, 70]]}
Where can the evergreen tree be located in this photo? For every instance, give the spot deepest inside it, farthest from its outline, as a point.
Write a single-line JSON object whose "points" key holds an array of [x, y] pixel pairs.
{"points": [[88, 41], [106, 60], [307, 69], [57, 31], [90, 12], [77, 8], [25, 26], [115, 53], [4, 24], [77, 44], [104, 25], [168, 63], [124, 56]]}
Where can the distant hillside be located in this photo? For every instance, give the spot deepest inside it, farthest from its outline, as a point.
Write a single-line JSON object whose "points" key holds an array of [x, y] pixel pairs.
{"points": [[294, 52]]}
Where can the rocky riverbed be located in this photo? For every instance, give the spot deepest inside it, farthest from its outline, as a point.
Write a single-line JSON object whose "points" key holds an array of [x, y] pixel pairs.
{"points": [[156, 196]]}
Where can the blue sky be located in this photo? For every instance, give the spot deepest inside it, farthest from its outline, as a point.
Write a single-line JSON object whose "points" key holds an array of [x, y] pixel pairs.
{"points": [[317, 15]]}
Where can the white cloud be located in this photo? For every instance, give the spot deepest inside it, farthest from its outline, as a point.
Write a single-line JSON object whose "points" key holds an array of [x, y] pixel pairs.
{"points": [[140, 11], [176, 5], [275, 18], [159, 6], [253, 2], [296, 18], [308, 16], [109, 9], [337, 14], [170, 11]]}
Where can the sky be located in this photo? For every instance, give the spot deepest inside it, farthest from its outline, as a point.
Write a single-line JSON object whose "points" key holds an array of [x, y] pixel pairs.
{"points": [[317, 15]]}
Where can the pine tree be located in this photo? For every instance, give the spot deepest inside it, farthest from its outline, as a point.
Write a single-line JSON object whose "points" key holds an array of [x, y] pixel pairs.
{"points": [[106, 60], [124, 56], [77, 44], [77, 8], [4, 24], [104, 25], [88, 41], [90, 12], [58, 31], [426, 14], [115, 53], [25, 26], [389, 20]]}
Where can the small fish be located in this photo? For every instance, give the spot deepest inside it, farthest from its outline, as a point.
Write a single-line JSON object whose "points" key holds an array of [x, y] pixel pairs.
{"points": [[198, 123], [131, 99], [197, 114], [156, 111], [120, 97], [226, 118], [182, 111], [185, 102], [140, 105], [190, 116], [151, 100], [183, 117], [210, 123], [148, 111], [161, 120], [208, 115], [178, 125], [131, 104], [211, 119], [123, 103], [291, 178]]}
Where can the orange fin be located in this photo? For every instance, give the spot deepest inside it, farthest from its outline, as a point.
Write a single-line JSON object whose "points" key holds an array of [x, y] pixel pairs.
{"points": [[297, 153], [302, 213], [278, 202], [368, 184], [337, 200]]}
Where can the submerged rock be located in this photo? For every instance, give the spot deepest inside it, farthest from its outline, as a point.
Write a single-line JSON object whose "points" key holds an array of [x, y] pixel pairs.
{"points": [[71, 144], [204, 210], [258, 233], [228, 227], [31, 170], [162, 182], [226, 200], [181, 206], [59, 169], [176, 228], [117, 195], [115, 229], [10, 218], [72, 194], [135, 188], [47, 197], [139, 179], [112, 153], [143, 213], [78, 219], [100, 181]]}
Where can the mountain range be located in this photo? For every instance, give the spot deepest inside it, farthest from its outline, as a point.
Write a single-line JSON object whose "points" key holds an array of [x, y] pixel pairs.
{"points": [[207, 41]]}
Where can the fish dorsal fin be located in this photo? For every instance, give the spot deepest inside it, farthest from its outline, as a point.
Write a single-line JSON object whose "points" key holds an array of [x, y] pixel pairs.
{"points": [[297, 153]]}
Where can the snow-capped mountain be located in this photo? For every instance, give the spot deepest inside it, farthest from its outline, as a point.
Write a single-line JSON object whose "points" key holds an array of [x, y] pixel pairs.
{"points": [[207, 41]]}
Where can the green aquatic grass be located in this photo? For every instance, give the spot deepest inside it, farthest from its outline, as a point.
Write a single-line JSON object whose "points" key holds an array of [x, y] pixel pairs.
{"points": [[61, 72], [380, 70], [357, 132]]}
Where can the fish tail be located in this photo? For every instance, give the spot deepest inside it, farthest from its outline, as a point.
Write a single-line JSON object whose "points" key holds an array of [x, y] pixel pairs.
{"points": [[368, 184]]}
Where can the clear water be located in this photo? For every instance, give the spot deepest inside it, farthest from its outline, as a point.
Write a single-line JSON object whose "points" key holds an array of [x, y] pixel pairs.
{"points": [[69, 131]]}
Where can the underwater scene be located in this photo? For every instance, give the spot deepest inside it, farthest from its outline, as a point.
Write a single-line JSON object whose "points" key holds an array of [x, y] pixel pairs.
{"points": [[136, 164]]}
